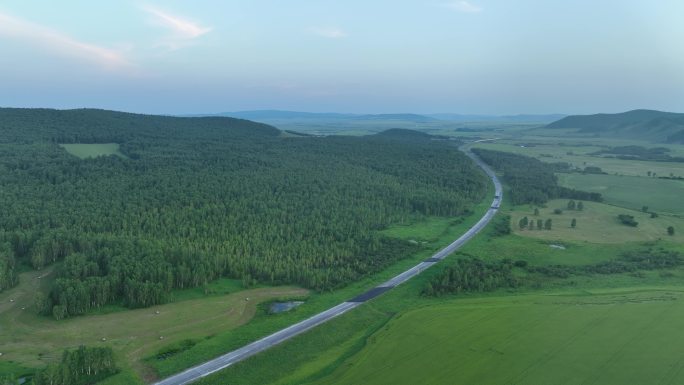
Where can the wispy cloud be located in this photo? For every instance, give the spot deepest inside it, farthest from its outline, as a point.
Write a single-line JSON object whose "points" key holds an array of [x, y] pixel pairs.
{"points": [[58, 42], [184, 30], [329, 32], [463, 6]]}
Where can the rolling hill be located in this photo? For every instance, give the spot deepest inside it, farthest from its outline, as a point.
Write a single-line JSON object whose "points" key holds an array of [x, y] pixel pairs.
{"points": [[638, 124], [521, 118], [27, 125]]}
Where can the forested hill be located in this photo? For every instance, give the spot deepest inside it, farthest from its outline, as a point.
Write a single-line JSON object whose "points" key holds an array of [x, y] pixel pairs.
{"points": [[638, 124], [22, 125], [194, 199]]}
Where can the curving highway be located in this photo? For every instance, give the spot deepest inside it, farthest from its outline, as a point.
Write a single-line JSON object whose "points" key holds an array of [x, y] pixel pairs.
{"points": [[222, 362]]}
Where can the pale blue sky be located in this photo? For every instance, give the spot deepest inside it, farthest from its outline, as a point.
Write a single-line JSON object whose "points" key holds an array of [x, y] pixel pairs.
{"points": [[475, 56]]}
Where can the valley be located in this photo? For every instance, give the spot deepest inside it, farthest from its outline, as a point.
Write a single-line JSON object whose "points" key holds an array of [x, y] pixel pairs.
{"points": [[190, 325]]}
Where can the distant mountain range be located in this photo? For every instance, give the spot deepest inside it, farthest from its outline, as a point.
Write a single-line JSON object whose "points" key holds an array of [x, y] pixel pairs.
{"points": [[270, 116], [279, 115], [521, 118], [637, 124]]}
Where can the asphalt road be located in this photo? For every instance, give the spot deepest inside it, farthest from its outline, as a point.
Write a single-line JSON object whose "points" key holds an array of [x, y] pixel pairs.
{"points": [[224, 361]]}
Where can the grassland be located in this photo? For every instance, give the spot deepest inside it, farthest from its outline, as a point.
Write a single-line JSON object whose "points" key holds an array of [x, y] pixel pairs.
{"points": [[597, 223], [29, 340], [598, 337], [660, 195], [93, 150], [577, 153]]}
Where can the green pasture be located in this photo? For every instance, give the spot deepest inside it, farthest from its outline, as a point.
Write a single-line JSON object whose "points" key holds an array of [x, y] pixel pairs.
{"points": [[660, 195], [628, 336], [30, 340], [597, 223], [93, 150], [539, 252]]}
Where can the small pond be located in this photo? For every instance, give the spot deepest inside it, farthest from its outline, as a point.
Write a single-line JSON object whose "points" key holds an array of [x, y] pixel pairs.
{"points": [[280, 307]]}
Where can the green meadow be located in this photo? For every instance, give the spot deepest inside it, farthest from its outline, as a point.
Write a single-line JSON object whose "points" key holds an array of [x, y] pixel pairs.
{"points": [[628, 336], [93, 150], [660, 195], [596, 223]]}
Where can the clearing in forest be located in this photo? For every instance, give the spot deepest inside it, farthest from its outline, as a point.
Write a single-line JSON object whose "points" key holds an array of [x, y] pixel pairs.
{"points": [[93, 150]]}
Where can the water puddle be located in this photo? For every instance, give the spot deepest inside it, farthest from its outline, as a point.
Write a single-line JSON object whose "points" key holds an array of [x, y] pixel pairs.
{"points": [[280, 307]]}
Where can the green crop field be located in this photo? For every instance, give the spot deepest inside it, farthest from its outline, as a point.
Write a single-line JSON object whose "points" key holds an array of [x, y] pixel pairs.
{"points": [[94, 150], [30, 340], [660, 195], [630, 336], [597, 223]]}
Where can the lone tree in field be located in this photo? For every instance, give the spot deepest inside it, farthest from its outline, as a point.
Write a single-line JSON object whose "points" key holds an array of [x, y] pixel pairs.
{"points": [[523, 222], [530, 226], [547, 224], [644, 209], [536, 212], [540, 224], [573, 223], [571, 205], [557, 211], [670, 230], [580, 206]]}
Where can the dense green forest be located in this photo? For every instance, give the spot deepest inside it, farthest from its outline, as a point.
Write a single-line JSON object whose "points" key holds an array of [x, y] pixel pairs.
{"points": [[531, 180], [195, 199]]}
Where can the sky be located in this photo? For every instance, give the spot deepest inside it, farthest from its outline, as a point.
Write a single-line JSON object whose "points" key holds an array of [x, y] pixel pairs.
{"points": [[375, 56]]}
